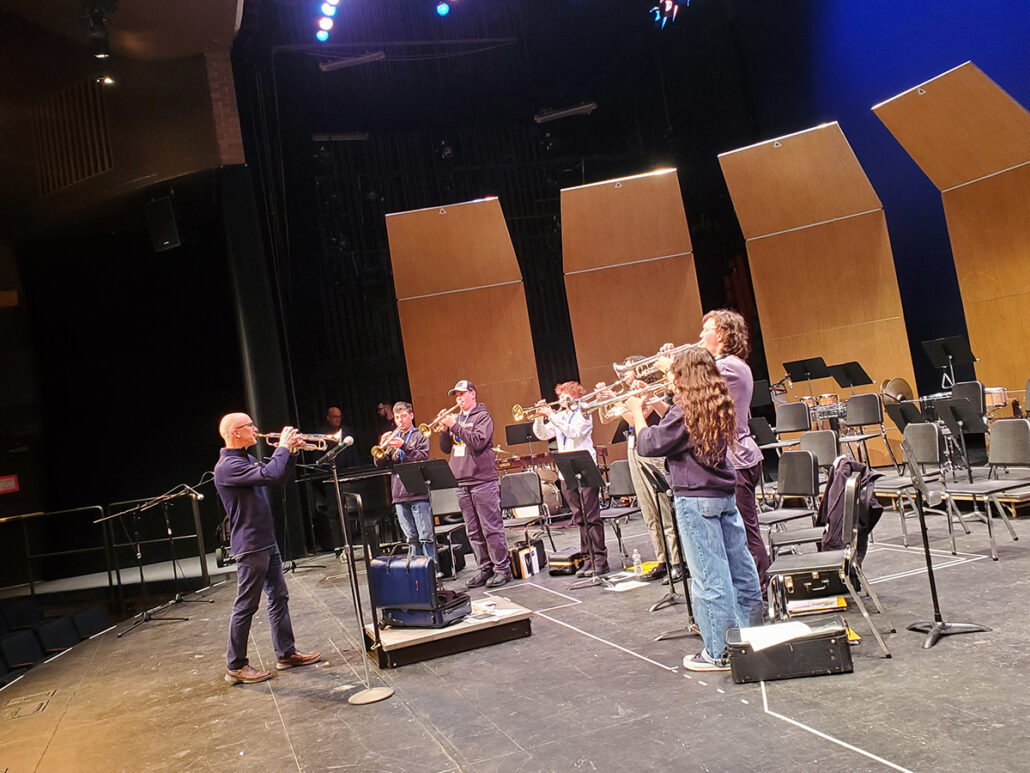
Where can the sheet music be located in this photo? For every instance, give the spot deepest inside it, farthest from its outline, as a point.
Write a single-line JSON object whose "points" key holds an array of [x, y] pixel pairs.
{"points": [[763, 637]]}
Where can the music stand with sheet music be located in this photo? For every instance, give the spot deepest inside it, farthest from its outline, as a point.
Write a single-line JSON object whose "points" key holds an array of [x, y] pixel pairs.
{"points": [[621, 433], [959, 416], [946, 353], [938, 628], [579, 470], [806, 370], [849, 375]]}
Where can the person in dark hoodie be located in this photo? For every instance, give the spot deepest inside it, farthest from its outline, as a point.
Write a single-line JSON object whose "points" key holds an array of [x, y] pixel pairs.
{"points": [[468, 439], [407, 444], [695, 436]]}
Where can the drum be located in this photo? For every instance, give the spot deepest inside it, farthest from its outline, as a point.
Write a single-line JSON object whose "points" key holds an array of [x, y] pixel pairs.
{"points": [[829, 399], [547, 474], [995, 398], [810, 401], [552, 496]]}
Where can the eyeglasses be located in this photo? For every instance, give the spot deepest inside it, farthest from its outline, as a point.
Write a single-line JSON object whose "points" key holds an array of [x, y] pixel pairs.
{"points": [[248, 424]]}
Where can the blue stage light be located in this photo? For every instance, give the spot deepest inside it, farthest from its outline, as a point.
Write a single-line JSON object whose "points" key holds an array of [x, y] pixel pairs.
{"points": [[328, 10], [322, 36], [442, 9], [325, 23]]}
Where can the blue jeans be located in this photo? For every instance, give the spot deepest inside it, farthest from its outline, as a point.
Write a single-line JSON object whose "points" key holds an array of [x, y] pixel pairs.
{"points": [[724, 581], [416, 519], [255, 572]]}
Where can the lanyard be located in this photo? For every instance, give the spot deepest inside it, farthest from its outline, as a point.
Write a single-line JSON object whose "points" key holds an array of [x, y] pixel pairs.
{"points": [[564, 438]]}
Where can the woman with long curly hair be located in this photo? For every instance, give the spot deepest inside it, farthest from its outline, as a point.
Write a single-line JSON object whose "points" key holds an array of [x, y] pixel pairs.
{"points": [[695, 436]]}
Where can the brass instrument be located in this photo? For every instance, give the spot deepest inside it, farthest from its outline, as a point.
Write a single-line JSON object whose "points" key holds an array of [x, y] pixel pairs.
{"points": [[646, 367], [646, 393], [519, 413], [435, 426], [381, 450], [311, 442]]}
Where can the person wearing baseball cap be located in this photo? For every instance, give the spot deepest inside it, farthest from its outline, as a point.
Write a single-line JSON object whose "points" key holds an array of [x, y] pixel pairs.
{"points": [[468, 438]]}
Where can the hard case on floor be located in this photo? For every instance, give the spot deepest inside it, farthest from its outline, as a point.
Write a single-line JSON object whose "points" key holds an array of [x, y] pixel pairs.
{"points": [[801, 586], [451, 607], [822, 650], [566, 561], [527, 560], [407, 582]]}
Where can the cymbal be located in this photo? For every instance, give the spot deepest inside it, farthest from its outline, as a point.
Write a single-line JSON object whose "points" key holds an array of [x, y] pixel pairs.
{"points": [[896, 390]]}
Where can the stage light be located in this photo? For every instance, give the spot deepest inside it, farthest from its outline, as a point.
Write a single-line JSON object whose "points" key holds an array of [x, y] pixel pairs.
{"points": [[333, 2], [442, 9], [322, 36], [665, 11], [105, 79], [325, 23], [328, 10]]}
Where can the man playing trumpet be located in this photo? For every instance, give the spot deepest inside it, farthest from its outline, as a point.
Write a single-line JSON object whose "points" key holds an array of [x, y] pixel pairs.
{"points": [[468, 437], [407, 444], [574, 432]]}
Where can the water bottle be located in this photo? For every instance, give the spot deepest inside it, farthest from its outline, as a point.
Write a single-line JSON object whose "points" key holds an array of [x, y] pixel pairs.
{"points": [[638, 564]]}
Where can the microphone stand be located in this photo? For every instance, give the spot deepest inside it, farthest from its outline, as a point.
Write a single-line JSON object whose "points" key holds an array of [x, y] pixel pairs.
{"points": [[369, 694]]}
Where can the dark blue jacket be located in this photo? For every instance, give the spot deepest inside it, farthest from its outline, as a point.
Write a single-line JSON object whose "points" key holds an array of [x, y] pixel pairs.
{"points": [[414, 449], [476, 430], [240, 480], [688, 476]]}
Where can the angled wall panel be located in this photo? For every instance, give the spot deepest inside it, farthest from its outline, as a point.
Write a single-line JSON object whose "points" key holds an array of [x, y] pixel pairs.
{"points": [[462, 308], [820, 258], [973, 141]]}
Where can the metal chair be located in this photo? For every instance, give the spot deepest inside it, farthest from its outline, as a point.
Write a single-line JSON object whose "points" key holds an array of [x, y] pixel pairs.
{"points": [[863, 411], [824, 444], [620, 484], [765, 437], [973, 391], [522, 489], [798, 478], [1009, 447], [828, 561], [792, 417]]}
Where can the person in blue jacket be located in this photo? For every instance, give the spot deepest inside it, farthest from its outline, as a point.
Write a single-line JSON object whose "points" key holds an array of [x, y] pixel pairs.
{"points": [[241, 480]]}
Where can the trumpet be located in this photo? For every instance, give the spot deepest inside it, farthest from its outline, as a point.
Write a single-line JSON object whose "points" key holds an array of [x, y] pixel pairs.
{"points": [[381, 450], [311, 442], [519, 413], [435, 425], [606, 407], [647, 367]]}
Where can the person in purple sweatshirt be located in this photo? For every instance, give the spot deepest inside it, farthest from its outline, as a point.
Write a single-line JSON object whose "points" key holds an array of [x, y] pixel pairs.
{"points": [[469, 438], [724, 334], [241, 480], [407, 444], [695, 436]]}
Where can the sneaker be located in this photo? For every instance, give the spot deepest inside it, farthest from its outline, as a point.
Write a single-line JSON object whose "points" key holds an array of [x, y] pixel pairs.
{"points": [[297, 659], [499, 579], [248, 675], [480, 579], [701, 662]]}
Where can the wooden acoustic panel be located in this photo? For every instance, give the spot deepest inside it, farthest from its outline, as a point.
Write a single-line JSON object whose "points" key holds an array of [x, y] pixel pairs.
{"points": [[624, 220], [989, 225], [455, 247], [481, 335], [959, 126], [631, 309], [797, 180]]}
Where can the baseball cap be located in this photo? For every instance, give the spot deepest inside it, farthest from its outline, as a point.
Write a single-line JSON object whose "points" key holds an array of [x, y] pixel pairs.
{"points": [[462, 386]]}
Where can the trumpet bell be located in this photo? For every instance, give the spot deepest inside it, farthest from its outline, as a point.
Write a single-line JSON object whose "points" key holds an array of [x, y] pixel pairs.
{"points": [[425, 429], [518, 413]]}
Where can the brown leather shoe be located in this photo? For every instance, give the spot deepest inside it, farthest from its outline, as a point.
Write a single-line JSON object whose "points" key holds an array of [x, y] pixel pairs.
{"points": [[248, 674], [298, 658]]}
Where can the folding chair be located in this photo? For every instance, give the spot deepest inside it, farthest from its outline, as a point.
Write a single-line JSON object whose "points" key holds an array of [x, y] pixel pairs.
{"points": [[792, 417], [620, 484], [828, 561], [798, 478], [1009, 446], [522, 489], [863, 411]]}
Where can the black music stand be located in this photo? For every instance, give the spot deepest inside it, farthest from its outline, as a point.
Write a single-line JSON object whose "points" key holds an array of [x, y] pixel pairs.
{"points": [[621, 432], [761, 396], [959, 415], [423, 477], [849, 375], [516, 434], [904, 413], [946, 353], [579, 470], [938, 628], [806, 370]]}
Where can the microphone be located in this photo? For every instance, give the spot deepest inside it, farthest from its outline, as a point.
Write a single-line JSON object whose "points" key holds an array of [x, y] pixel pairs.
{"points": [[347, 441], [193, 492]]}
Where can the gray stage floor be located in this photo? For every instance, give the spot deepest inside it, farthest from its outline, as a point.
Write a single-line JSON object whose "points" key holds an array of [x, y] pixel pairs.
{"points": [[589, 690]]}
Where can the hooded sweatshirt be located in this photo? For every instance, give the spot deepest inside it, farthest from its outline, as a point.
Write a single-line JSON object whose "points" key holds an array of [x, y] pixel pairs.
{"points": [[476, 430]]}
